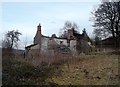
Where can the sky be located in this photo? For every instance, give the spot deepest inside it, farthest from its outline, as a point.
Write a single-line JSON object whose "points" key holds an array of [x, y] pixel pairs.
{"points": [[25, 16]]}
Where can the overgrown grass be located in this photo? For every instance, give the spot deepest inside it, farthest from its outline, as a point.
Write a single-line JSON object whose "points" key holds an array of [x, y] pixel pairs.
{"points": [[80, 70], [22, 73], [89, 70]]}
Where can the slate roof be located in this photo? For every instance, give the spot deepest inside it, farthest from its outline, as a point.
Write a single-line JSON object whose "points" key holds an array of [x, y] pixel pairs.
{"points": [[30, 45]]}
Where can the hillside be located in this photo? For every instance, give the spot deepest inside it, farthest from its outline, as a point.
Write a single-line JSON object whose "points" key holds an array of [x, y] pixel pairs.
{"points": [[100, 69]]}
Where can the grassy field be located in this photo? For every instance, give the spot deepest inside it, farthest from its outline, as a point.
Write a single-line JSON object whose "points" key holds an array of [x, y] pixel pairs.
{"points": [[81, 70], [89, 70]]}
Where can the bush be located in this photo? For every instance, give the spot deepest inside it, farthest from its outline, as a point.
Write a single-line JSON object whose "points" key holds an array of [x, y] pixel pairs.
{"points": [[22, 73], [17, 73]]}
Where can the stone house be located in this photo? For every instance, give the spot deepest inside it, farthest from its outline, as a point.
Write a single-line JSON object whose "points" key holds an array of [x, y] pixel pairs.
{"points": [[110, 42], [44, 45]]}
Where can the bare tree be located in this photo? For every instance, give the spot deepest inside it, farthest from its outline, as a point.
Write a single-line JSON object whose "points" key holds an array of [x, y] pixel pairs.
{"points": [[107, 20], [11, 39], [68, 25]]}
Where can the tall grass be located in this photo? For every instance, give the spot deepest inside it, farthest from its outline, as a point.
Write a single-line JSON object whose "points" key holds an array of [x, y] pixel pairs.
{"points": [[98, 69]]}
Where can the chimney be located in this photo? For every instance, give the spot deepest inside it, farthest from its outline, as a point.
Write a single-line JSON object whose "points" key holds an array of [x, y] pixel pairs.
{"points": [[84, 33], [39, 27], [69, 36], [37, 38]]}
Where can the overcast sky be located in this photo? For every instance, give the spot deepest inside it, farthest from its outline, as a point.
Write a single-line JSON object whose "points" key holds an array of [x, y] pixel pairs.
{"points": [[25, 16]]}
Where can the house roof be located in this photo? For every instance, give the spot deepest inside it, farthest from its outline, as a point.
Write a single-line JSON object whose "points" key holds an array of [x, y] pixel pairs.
{"points": [[109, 40], [30, 45], [45, 36], [77, 35], [54, 37]]}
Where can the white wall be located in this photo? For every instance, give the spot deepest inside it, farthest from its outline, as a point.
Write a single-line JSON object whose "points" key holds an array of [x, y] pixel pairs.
{"points": [[58, 41], [73, 45], [44, 44]]}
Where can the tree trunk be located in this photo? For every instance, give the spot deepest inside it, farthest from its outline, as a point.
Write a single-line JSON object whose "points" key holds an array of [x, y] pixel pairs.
{"points": [[117, 34], [11, 43]]}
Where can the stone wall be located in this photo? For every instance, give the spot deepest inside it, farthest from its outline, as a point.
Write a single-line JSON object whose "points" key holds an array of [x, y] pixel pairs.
{"points": [[73, 45], [44, 44], [37, 38]]}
